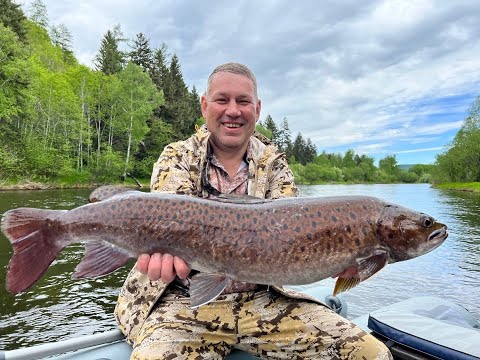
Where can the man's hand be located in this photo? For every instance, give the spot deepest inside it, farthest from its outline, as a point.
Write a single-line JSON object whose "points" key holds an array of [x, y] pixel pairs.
{"points": [[162, 266]]}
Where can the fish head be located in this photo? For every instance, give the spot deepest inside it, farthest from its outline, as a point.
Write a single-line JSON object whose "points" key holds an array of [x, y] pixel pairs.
{"points": [[408, 234]]}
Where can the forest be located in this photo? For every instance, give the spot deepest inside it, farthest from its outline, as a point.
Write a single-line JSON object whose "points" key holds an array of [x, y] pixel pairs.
{"points": [[67, 124]]}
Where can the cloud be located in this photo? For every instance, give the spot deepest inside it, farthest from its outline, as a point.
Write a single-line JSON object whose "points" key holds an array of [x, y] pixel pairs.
{"points": [[344, 73]]}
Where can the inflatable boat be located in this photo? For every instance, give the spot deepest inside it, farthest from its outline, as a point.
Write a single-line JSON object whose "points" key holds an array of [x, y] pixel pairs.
{"points": [[417, 328]]}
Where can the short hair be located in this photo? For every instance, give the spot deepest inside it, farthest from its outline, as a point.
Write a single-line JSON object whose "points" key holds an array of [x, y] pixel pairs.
{"points": [[234, 68]]}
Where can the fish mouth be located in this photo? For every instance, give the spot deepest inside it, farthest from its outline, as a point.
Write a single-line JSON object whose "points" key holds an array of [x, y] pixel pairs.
{"points": [[438, 235]]}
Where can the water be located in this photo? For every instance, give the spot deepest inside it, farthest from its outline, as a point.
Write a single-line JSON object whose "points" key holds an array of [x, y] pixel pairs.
{"points": [[60, 308]]}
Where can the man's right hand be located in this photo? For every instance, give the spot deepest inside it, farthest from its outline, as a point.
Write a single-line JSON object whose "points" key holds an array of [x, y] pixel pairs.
{"points": [[162, 266]]}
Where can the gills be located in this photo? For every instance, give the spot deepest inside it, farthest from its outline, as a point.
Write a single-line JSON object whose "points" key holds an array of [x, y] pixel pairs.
{"points": [[274, 242]]}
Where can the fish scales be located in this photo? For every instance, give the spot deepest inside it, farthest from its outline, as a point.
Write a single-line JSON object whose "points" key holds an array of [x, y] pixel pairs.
{"points": [[281, 242]]}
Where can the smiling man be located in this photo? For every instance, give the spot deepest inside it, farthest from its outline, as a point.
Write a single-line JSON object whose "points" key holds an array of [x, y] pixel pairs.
{"points": [[227, 156]]}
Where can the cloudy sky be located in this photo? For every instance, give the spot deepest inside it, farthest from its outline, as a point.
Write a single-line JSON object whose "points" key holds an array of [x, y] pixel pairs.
{"points": [[379, 77]]}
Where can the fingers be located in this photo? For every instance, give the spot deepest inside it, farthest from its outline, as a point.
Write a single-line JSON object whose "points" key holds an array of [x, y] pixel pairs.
{"points": [[165, 267], [168, 272], [142, 263], [181, 267], [155, 267]]}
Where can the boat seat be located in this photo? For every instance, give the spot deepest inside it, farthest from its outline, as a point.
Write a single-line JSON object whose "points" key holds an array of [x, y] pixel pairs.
{"points": [[427, 328]]}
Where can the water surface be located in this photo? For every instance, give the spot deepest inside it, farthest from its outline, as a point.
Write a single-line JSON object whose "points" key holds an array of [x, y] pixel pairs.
{"points": [[57, 307]]}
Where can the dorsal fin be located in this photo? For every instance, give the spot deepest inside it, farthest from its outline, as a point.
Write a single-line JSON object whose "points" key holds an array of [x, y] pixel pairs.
{"points": [[240, 199], [107, 191]]}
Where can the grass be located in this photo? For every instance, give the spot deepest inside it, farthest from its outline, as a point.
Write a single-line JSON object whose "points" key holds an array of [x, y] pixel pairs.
{"points": [[471, 186]]}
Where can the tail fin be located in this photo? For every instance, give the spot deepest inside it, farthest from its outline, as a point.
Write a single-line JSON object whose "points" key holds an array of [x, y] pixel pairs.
{"points": [[33, 234]]}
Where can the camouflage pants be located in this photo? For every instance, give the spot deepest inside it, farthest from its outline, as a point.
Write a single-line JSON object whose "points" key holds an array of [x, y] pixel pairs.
{"points": [[263, 323]]}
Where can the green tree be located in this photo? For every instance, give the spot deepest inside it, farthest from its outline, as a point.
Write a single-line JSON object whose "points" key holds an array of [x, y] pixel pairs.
{"points": [[390, 167], [12, 16], [110, 59], [348, 160], [270, 125], [285, 137], [177, 110], [138, 96], [62, 37], [141, 53], [38, 13]]}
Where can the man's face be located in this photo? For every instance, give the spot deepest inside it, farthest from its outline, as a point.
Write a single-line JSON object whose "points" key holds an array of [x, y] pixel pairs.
{"points": [[231, 110]]}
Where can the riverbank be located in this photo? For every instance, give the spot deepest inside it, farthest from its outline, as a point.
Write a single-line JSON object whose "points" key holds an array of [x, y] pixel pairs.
{"points": [[470, 187], [34, 185]]}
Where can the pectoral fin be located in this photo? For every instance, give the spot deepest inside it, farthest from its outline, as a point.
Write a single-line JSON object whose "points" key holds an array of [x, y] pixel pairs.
{"points": [[205, 287], [366, 268]]}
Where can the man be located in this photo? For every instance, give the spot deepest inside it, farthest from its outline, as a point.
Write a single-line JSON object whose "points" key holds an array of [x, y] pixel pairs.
{"points": [[153, 309]]}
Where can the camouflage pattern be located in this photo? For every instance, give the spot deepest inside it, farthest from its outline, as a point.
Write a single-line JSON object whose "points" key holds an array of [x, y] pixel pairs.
{"points": [[263, 323], [147, 318], [181, 164]]}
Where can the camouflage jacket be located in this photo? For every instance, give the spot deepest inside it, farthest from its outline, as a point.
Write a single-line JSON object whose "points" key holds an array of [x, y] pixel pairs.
{"points": [[179, 169]]}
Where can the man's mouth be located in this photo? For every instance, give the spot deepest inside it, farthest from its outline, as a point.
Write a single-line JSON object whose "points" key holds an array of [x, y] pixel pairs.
{"points": [[232, 125]]}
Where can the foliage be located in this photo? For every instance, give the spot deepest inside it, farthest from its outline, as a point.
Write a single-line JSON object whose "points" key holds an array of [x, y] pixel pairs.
{"points": [[461, 161], [12, 17]]}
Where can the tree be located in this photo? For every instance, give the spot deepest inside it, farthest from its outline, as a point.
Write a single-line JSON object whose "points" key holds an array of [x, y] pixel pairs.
{"points": [[177, 110], [348, 159], [110, 59], [285, 137], [141, 53], [62, 37], [389, 166], [159, 72], [138, 97], [270, 125], [38, 13], [12, 16]]}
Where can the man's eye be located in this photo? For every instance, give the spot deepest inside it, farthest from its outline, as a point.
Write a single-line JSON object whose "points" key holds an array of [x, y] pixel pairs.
{"points": [[221, 101], [244, 102]]}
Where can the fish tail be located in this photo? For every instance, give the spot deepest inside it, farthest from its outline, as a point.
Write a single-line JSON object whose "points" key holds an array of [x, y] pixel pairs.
{"points": [[34, 238]]}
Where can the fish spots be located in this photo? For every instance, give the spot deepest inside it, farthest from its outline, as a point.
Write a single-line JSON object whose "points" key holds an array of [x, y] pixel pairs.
{"points": [[364, 231], [340, 239], [297, 230], [328, 233], [357, 242], [353, 215], [187, 213], [349, 229], [314, 224], [254, 220], [285, 227], [334, 218], [338, 209]]}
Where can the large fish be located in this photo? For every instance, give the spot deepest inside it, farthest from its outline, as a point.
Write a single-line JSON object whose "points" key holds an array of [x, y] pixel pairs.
{"points": [[276, 242]]}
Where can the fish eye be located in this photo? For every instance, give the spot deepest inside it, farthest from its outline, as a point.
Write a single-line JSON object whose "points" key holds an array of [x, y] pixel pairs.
{"points": [[427, 221]]}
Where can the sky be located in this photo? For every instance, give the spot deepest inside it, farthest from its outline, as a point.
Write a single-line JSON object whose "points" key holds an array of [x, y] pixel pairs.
{"points": [[393, 77]]}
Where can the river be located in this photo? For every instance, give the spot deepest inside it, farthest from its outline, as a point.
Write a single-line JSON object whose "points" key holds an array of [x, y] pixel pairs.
{"points": [[58, 307]]}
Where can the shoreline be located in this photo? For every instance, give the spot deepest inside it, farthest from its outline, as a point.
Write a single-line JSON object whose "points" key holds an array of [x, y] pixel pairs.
{"points": [[33, 185], [43, 186]]}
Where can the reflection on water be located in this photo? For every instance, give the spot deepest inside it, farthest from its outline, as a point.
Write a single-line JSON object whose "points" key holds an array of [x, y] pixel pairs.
{"points": [[59, 308]]}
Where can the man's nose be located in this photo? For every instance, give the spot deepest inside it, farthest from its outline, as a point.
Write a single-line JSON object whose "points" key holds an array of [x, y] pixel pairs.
{"points": [[232, 109]]}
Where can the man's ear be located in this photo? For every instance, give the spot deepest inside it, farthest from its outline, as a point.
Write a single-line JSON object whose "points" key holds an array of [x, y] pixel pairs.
{"points": [[203, 105], [258, 108]]}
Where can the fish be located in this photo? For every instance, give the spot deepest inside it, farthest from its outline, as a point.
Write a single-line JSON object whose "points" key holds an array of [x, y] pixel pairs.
{"points": [[290, 241]]}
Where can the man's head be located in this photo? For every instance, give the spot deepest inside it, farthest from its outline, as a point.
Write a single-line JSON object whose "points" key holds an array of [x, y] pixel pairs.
{"points": [[231, 107]]}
